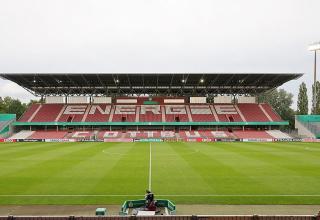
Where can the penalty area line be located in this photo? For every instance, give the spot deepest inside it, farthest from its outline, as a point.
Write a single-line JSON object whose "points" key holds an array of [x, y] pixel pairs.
{"points": [[172, 195]]}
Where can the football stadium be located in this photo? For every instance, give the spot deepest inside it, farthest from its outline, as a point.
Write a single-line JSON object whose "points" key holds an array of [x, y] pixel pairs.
{"points": [[191, 139]]}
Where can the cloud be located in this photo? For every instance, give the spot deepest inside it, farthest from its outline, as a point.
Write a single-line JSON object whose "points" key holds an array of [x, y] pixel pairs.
{"points": [[8, 88], [159, 36]]}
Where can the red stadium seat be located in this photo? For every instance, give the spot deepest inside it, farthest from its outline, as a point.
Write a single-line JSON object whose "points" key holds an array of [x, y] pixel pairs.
{"points": [[252, 112], [48, 113], [48, 135], [152, 113], [274, 116], [252, 134]]}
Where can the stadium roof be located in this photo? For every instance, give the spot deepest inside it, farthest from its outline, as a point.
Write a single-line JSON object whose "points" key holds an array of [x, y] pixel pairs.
{"points": [[111, 84]]}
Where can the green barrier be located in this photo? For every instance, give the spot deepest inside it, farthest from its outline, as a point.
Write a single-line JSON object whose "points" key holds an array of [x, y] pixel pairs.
{"points": [[149, 123], [131, 204], [150, 103], [7, 117], [149, 140], [308, 118]]}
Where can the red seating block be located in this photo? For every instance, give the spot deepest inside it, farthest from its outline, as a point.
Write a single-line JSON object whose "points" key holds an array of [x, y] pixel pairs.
{"points": [[252, 134], [271, 112], [252, 112], [29, 112], [48, 135], [48, 113]]}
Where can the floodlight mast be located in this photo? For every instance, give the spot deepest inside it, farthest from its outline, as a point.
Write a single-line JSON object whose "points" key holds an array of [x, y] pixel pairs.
{"points": [[315, 47]]}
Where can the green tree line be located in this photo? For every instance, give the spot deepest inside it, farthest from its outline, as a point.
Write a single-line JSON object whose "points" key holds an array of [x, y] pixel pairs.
{"points": [[9, 105], [316, 110], [302, 104], [281, 102]]}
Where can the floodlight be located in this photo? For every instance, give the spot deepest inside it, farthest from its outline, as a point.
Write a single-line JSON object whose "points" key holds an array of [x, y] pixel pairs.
{"points": [[314, 46]]}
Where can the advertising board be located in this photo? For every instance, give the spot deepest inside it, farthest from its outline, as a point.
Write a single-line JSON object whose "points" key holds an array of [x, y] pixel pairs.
{"points": [[30, 140], [148, 140], [257, 140], [118, 140], [60, 140]]}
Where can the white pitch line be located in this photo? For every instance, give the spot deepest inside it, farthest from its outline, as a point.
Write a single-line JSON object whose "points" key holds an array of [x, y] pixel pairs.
{"points": [[150, 166], [67, 195], [181, 195], [214, 195]]}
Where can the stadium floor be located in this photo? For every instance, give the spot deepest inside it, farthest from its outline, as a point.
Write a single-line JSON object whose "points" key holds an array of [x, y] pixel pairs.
{"points": [[186, 173]]}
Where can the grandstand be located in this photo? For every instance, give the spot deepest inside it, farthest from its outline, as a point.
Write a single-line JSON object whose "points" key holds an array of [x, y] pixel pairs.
{"points": [[166, 108], [128, 107]]}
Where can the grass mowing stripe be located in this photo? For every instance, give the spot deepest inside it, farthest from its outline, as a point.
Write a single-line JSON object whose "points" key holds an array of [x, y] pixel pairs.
{"points": [[37, 177], [71, 168], [16, 165], [129, 174], [281, 173], [186, 173], [294, 165], [256, 173], [216, 172], [171, 175], [30, 149]]}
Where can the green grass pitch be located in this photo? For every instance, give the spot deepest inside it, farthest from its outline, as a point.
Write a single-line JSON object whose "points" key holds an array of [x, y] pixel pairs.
{"points": [[186, 173]]}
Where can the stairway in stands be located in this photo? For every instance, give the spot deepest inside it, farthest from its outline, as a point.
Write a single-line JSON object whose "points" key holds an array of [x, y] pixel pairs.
{"points": [[24, 134]]}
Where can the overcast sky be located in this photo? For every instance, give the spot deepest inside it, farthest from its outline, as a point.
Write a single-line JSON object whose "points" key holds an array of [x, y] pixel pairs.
{"points": [[157, 36]]}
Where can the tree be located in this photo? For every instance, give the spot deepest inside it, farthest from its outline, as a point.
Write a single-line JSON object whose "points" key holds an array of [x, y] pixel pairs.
{"points": [[302, 105], [1, 105], [12, 106], [281, 102], [316, 111], [32, 101]]}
